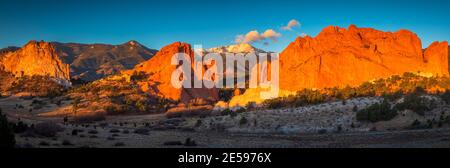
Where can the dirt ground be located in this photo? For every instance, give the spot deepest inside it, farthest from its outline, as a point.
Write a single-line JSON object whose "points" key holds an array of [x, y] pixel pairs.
{"points": [[435, 138], [156, 131]]}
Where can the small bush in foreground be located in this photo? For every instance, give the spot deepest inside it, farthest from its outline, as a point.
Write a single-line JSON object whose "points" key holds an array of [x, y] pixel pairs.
{"points": [[243, 121], [377, 112], [66, 143], [142, 131], [189, 142], [172, 143], [47, 129], [322, 131], [119, 144], [446, 96]]}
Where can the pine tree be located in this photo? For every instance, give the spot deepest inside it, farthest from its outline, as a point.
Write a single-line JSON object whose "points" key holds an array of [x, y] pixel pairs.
{"points": [[7, 139]]}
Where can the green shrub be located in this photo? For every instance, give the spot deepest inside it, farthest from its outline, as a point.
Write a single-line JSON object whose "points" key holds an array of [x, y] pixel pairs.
{"points": [[66, 143], [138, 76], [301, 98], [198, 123], [377, 112], [393, 96], [141, 106], [119, 144], [390, 88], [225, 112], [355, 108], [243, 121], [322, 131], [112, 110], [274, 103], [225, 94], [47, 129], [446, 96], [250, 106], [233, 114], [415, 103], [418, 125], [240, 110], [42, 86], [339, 128]]}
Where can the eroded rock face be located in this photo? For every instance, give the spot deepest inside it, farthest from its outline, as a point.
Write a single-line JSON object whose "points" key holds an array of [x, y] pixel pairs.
{"points": [[160, 71], [36, 58], [338, 57]]}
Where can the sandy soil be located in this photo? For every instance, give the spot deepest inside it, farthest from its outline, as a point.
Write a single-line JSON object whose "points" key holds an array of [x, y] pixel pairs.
{"points": [[396, 139], [294, 127]]}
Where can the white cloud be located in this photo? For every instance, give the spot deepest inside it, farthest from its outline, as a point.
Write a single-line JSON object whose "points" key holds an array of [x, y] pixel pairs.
{"points": [[255, 36], [271, 34], [292, 23]]}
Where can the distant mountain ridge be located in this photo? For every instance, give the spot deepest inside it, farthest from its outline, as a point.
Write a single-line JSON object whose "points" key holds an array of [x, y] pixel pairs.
{"points": [[3, 51], [90, 62]]}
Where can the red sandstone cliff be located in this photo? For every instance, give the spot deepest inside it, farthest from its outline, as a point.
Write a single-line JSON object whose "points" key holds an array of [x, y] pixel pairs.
{"points": [[36, 58], [160, 69], [338, 57]]}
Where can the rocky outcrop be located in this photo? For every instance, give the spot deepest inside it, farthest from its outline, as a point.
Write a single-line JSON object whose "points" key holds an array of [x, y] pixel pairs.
{"points": [[338, 57], [36, 58], [159, 70]]}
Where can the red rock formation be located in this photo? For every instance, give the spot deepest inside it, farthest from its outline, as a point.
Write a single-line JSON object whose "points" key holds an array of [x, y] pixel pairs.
{"points": [[36, 58], [160, 69], [338, 57]]}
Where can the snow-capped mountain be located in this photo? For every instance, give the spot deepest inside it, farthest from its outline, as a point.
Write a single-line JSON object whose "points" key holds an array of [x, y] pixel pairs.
{"points": [[236, 48]]}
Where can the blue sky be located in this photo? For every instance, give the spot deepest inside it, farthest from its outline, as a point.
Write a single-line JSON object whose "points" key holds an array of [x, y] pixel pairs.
{"points": [[210, 23]]}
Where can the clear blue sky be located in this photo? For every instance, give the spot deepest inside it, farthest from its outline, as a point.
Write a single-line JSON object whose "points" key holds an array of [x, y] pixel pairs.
{"points": [[210, 23]]}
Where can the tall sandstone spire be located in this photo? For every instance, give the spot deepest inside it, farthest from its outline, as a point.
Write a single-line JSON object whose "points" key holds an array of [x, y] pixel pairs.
{"points": [[338, 57], [36, 58], [160, 69]]}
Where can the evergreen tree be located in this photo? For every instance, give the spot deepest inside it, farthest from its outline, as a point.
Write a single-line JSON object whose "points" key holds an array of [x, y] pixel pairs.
{"points": [[7, 139]]}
